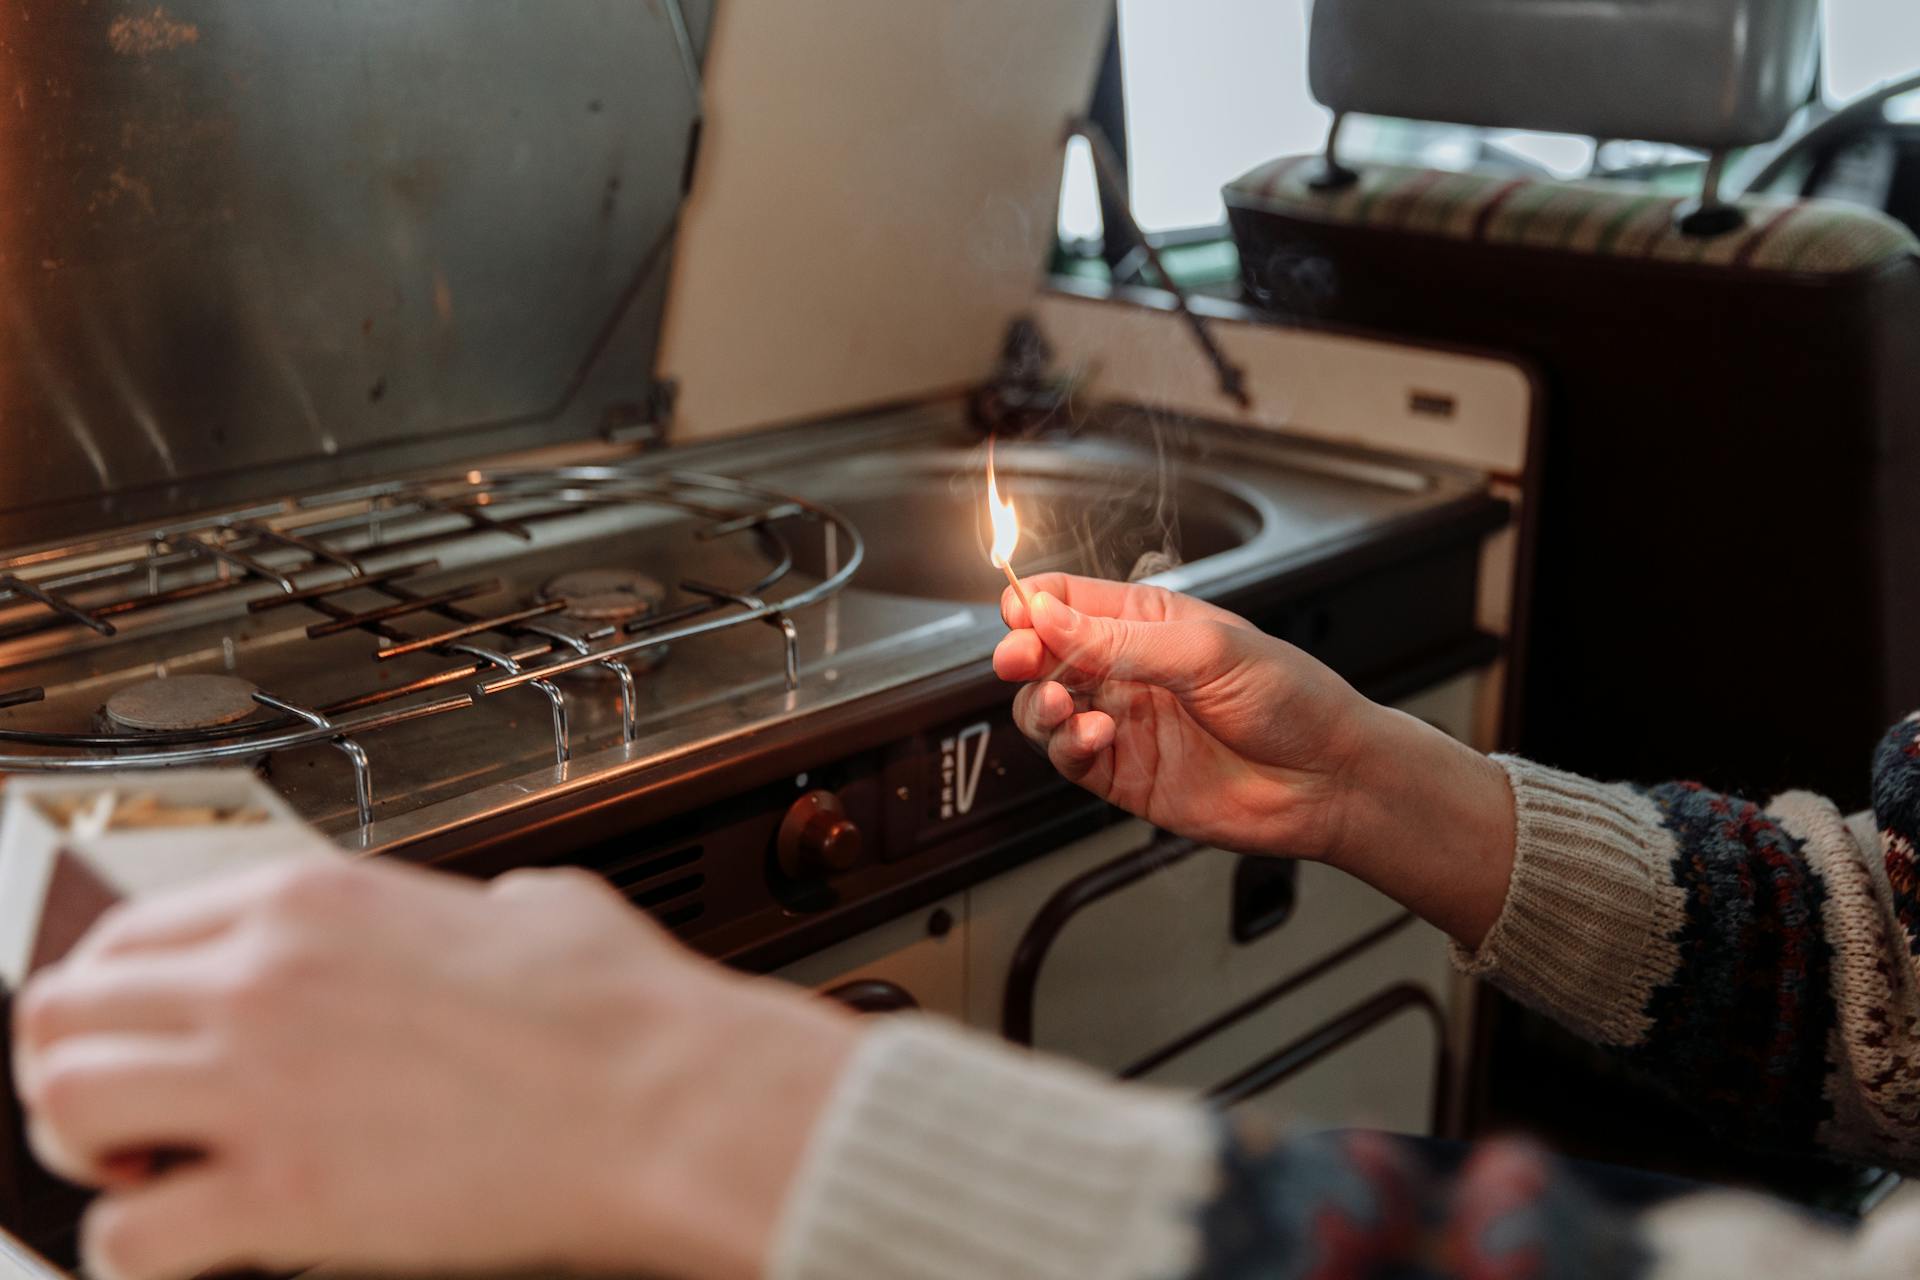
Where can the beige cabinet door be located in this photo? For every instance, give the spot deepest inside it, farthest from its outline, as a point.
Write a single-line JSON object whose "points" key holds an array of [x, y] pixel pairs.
{"points": [[1111, 975], [1363, 1045]]}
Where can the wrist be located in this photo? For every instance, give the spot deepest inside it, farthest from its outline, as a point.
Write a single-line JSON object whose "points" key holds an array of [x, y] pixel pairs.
{"points": [[1378, 777], [1428, 821], [750, 1069]]}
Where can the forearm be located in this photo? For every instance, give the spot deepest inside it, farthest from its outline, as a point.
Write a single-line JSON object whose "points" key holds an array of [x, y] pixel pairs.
{"points": [[1429, 822], [947, 1156]]}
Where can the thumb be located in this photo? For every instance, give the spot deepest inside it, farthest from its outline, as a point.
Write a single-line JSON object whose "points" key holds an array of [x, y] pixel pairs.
{"points": [[1177, 656]]}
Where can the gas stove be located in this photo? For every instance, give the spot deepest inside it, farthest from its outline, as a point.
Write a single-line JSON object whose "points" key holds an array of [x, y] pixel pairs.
{"points": [[418, 406], [548, 661]]}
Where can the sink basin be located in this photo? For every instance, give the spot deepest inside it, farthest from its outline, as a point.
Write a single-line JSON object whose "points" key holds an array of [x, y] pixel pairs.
{"points": [[924, 518]]}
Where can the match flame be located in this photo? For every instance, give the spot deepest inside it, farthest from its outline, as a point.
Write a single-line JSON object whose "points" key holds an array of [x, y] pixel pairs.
{"points": [[1006, 523]]}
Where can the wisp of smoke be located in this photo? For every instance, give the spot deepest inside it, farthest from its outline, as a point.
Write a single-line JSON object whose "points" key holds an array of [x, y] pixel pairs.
{"points": [[1100, 512]]}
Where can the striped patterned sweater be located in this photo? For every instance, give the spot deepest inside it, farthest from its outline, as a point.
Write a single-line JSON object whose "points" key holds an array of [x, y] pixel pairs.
{"points": [[1762, 960]]}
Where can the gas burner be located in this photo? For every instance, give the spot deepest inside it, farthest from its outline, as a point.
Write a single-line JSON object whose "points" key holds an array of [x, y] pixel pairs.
{"points": [[606, 595], [180, 703], [599, 598]]}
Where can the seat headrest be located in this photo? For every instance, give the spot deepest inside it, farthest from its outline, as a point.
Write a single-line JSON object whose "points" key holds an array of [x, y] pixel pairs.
{"points": [[1701, 73]]}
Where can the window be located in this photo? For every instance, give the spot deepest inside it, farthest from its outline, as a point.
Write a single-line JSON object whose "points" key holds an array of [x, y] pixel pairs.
{"points": [[1869, 42], [1215, 87]]}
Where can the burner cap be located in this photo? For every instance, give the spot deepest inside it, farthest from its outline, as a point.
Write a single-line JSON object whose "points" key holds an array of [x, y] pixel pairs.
{"points": [[606, 595], [179, 703]]}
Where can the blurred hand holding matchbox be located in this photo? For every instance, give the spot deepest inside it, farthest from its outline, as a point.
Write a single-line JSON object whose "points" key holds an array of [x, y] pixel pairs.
{"points": [[69, 849], [72, 847]]}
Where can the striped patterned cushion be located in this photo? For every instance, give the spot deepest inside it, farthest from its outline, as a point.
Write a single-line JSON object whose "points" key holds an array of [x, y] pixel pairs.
{"points": [[1614, 219]]}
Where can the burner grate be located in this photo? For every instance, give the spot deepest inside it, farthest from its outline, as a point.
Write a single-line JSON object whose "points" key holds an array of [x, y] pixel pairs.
{"points": [[307, 553]]}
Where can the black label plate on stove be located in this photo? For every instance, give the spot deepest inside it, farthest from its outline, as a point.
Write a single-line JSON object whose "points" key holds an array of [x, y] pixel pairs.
{"points": [[964, 773]]}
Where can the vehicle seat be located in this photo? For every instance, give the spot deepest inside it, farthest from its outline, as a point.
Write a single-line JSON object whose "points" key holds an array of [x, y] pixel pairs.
{"points": [[1726, 578]]}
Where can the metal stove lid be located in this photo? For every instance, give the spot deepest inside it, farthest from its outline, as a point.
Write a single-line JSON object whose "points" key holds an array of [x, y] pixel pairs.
{"points": [[259, 245], [883, 192]]}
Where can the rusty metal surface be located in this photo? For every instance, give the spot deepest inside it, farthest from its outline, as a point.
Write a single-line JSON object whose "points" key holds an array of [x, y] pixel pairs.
{"points": [[252, 245]]}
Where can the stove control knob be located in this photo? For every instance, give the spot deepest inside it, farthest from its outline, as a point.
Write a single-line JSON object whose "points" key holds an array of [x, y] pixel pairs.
{"points": [[817, 838]]}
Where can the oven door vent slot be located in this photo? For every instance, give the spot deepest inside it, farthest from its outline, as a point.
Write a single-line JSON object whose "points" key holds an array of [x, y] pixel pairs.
{"points": [[668, 885], [674, 890], [677, 918]]}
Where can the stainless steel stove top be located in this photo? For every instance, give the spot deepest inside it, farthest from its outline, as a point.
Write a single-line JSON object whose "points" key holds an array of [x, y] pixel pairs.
{"points": [[415, 664]]}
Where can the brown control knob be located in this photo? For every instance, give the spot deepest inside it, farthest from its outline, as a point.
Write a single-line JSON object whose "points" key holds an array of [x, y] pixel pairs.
{"points": [[817, 838], [874, 995]]}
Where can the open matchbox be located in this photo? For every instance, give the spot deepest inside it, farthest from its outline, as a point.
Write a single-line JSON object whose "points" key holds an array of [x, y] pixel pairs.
{"points": [[70, 847]]}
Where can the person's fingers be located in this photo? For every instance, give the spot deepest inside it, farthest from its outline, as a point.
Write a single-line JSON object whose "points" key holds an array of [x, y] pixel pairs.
{"points": [[1013, 610], [1102, 596], [95, 1098], [193, 1220], [178, 917], [1130, 601], [1178, 656], [309, 886], [1039, 709], [1020, 658], [1079, 748], [154, 993], [544, 884]]}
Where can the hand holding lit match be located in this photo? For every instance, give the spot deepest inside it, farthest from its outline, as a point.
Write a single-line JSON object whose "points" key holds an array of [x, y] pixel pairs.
{"points": [[1191, 718], [1006, 531]]}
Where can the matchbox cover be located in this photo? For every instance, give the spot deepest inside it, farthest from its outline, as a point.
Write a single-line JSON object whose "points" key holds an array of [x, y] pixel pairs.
{"points": [[72, 846]]}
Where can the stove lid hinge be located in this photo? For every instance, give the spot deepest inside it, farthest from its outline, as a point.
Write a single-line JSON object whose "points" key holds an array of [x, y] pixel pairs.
{"points": [[1023, 397], [643, 422]]}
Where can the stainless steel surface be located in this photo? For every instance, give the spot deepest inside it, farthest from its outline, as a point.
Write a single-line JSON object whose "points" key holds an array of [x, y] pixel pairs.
{"points": [[1704, 73], [257, 245], [473, 726], [923, 513]]}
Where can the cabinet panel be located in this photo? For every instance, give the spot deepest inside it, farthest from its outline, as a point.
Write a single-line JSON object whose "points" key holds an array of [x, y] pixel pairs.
{"points": [[1381, 1016], [922, 954], [1128, 970], [1373, 1081]]}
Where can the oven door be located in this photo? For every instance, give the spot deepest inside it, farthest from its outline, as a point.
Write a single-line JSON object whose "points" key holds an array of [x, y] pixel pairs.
{"points": [[1365, 1045], [1286, 986], [912, 964]]}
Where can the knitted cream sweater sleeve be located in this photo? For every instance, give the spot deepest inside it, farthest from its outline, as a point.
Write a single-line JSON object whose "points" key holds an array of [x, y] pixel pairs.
{"points": [[949, 1156], [1759, 960]]}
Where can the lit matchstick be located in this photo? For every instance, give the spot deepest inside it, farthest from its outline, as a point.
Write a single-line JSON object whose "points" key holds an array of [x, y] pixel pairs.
{"points": [[1006, 532]]}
